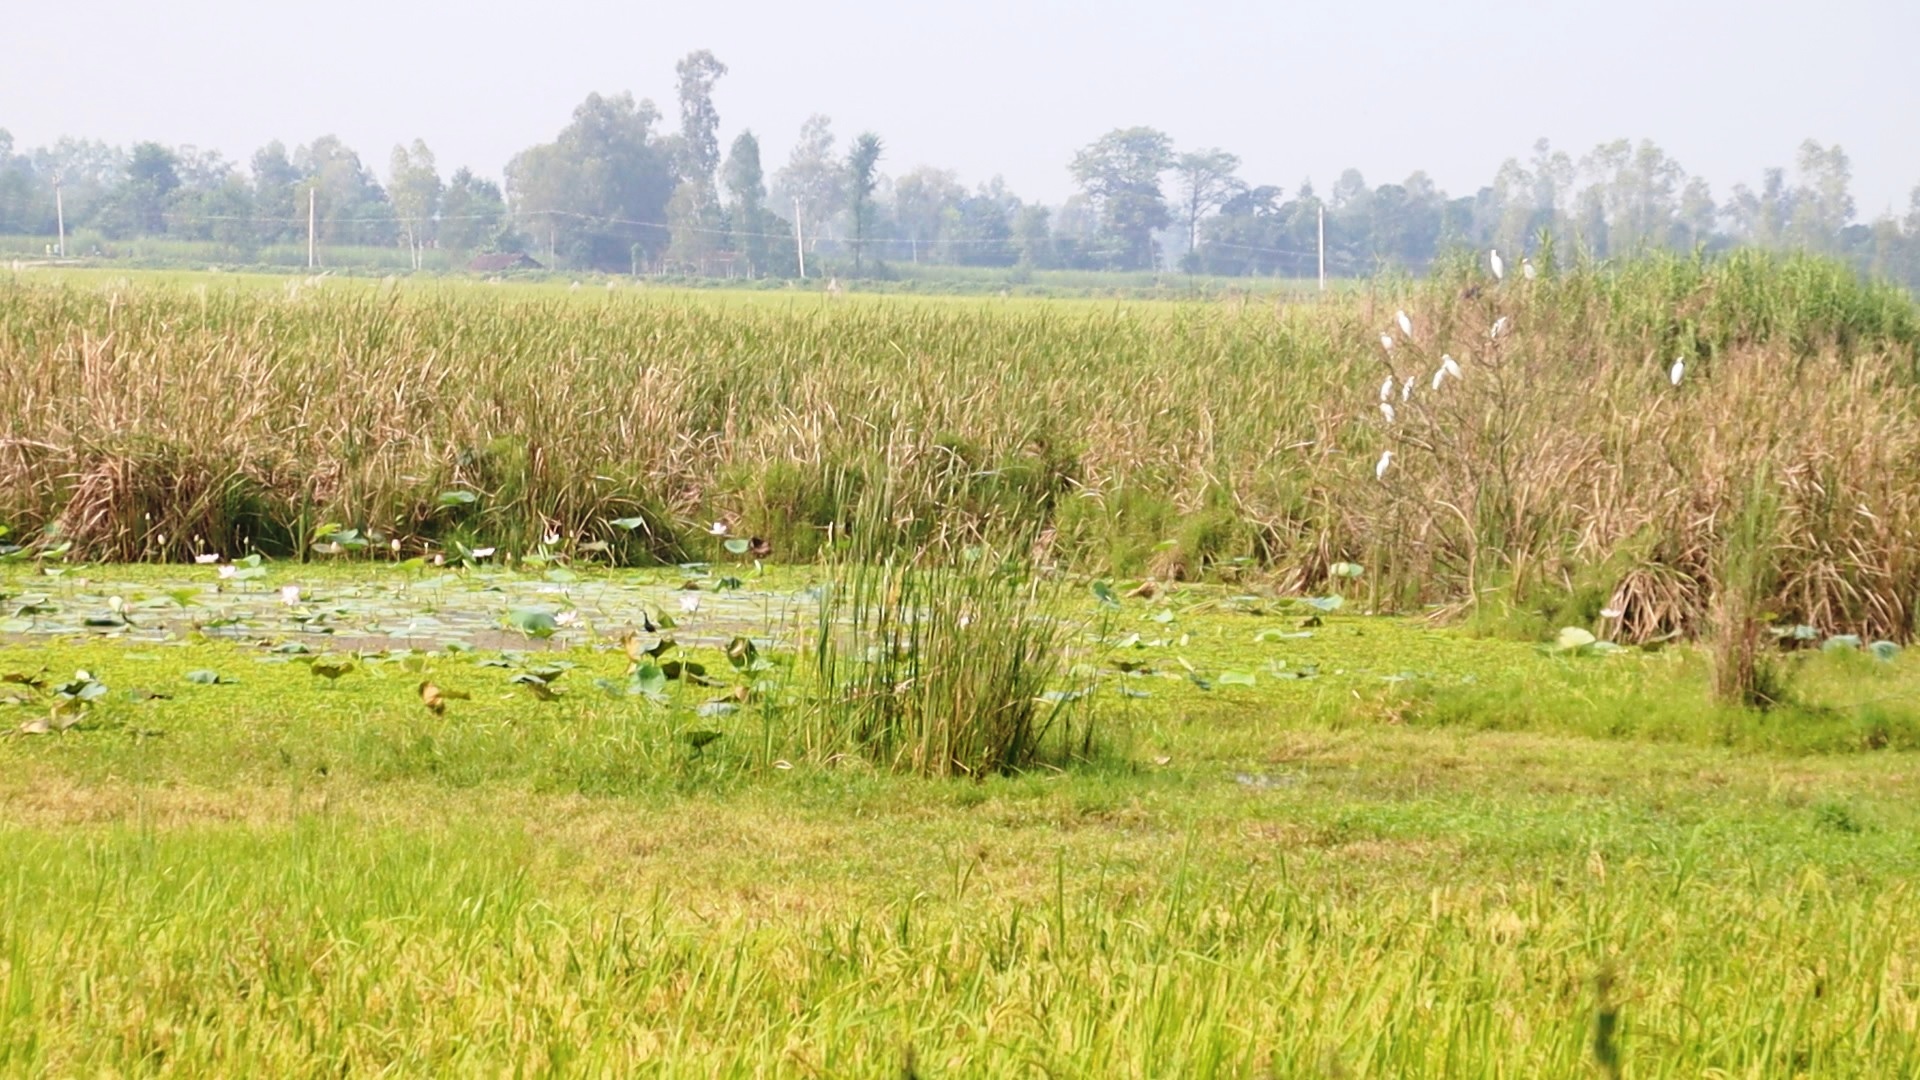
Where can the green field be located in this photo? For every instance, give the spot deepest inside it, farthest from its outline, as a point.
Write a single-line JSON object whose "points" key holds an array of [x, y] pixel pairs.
{"points": [[1091, 709]]}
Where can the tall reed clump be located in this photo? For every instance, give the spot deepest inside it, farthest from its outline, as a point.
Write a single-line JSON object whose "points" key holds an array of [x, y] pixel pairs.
{"points": [[945, 670], [1745, 671]]}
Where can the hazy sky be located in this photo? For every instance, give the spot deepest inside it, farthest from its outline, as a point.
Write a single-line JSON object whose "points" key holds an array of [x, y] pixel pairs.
{"points": [[1727, 87]]}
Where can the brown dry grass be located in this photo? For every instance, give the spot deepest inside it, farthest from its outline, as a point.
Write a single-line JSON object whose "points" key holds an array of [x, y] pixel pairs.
{"points": [[1563, 468]]}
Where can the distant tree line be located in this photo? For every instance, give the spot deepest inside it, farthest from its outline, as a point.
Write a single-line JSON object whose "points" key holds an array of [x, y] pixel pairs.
{"points": [[616, 192]]}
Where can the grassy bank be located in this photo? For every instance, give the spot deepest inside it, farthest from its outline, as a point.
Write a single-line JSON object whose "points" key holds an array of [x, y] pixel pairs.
{"points": [[1361, 847]]}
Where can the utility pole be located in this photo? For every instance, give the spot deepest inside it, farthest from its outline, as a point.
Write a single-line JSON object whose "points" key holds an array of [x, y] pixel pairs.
{"points": [[1323, 248], [60, 218], [799, 248], [311, 217]]}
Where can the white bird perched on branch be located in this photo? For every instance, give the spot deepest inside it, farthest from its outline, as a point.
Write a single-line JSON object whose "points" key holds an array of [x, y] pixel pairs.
{"points": [[1406, 388], [1499, 268], [1386, 389], [1526, 269], [1499, 327], [1386, 342], [1406, 324], [1380, 470], [1678, 371], [1386, 410], [1447, 370]]}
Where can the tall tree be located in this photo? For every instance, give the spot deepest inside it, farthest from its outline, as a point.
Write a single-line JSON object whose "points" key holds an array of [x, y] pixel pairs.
{"points": [[812, 177], [1822, 201], [152, 177], [980, 227], [350, 203], [1034, 235], [1120, 174], [1206, 181], [921, 200], [597, 195], [693, 213], [747, 200], [699, 120], [413, 183], [1697, 214], [473, 213], [863, 161], [274, 181]]}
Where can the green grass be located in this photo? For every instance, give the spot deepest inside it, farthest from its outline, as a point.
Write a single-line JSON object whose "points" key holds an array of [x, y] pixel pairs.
{"points": [[1400, 851]]}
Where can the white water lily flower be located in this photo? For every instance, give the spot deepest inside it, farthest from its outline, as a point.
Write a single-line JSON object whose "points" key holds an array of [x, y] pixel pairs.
{"points": [[439, 559], [1611, 613], [116, 604], [689, 602], [550, 539], [566, 618], [228, 571], [207, 560], [482, 553], [289, 594], [718, 528]]}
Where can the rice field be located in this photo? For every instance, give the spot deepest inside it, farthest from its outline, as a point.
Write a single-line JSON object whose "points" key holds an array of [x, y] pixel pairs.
{"points": [[401, 678]]}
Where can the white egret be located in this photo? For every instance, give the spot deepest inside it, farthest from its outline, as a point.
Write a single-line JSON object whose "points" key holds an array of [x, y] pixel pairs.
{"points": [[1386, 342], [1447, 365], [1526, 269], [1386, 389], [1386, 410], [1380, 470], [1499, 327], [1499, 268], [1406, 388], [1406, 324], [1439, 376], [1678, 371]]}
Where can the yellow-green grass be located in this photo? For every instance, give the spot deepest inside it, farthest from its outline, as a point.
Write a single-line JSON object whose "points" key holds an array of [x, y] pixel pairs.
{"points": [[1336, 870]]}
